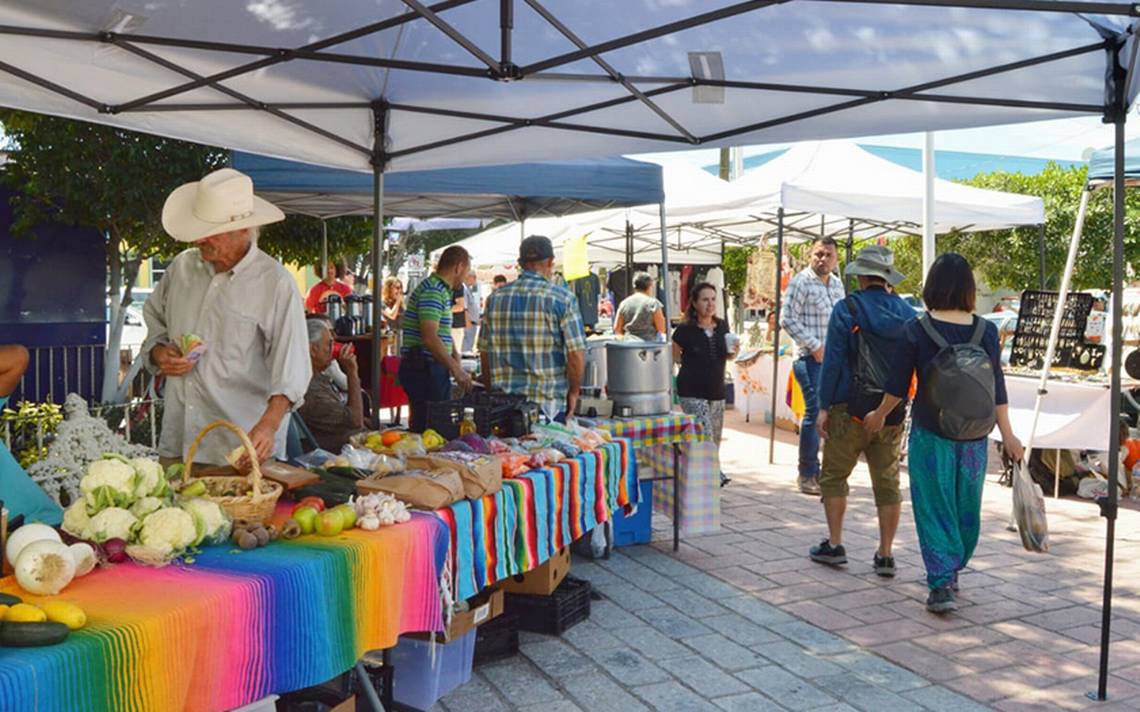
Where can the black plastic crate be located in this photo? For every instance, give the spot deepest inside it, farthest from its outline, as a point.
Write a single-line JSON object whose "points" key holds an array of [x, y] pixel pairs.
{"points": [[553, 614], [497, 639], [497, 414]]}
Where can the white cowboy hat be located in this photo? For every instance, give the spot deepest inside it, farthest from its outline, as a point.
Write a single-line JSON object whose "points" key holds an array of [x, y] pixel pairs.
{"points": [[220, 202]]}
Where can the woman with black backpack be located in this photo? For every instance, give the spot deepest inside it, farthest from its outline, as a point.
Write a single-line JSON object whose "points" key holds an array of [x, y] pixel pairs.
{"points": [[961, 395]]}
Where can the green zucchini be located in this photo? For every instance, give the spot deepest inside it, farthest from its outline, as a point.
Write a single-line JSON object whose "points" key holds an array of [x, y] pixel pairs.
{"points": [[7, 599], [31, 635]]}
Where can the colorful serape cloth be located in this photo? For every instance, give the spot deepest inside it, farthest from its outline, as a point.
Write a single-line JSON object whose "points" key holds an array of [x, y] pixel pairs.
{"points": [[653, 438], [536, 514], [655, 430], [233, 627]]}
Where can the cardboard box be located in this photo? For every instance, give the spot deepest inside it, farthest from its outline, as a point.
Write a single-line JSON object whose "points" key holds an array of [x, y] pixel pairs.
{"points": [[484, 607], [541, 581]]}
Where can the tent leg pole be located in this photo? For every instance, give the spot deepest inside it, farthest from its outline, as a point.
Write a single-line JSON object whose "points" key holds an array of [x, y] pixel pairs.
{"points": [[929, 246], [1108, 508], [850, 249], [379, 158], [1041, 253], [668, 323], [629, 264], [324, 248], [776, 333]]}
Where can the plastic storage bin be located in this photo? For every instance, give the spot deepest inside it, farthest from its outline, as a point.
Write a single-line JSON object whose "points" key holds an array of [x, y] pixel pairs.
{"points": [[419, 681], [636, 528]]}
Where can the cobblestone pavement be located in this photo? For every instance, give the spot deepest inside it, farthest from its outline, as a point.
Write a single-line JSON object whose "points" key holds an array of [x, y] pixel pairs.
{"points": [[742, 620]]}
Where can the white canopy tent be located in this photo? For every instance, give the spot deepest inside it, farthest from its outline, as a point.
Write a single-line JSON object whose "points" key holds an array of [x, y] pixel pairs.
{"points": [[396, 84], [690, 192]]}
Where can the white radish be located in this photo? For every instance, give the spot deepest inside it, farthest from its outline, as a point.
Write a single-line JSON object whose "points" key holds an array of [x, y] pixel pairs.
{"points": [[45, 567], [84, 556], [26, 535]]}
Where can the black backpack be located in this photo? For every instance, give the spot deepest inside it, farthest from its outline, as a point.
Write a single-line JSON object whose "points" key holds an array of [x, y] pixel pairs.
{"points": [[870, 363], [958, 385]]}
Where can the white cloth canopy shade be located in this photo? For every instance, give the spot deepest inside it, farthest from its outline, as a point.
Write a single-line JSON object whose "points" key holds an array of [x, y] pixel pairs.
{"points": [[469, 82]]}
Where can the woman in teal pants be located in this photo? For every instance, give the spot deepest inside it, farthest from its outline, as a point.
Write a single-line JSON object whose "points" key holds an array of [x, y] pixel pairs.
{"points": [[946, 476]]}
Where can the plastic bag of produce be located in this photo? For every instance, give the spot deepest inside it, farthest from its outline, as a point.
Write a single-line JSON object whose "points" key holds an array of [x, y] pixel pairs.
{"points": [[1029, 510]]}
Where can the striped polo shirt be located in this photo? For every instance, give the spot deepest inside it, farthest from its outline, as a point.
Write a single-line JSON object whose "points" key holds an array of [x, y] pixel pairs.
{"points": [[429, 301]]}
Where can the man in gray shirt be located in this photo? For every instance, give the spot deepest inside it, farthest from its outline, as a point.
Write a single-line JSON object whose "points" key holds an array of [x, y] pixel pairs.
{"points": [[246, 309]]}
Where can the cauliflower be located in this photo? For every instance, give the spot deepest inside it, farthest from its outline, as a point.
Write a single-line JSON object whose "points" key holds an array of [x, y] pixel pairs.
{"points": [[211, 522], [76, 521], [145, 506], [111, 523], [109, 482], [150, 478], [168, 532]]}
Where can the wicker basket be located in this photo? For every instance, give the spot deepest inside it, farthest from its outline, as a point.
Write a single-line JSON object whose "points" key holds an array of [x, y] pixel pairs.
{"points": [[256, 508]]}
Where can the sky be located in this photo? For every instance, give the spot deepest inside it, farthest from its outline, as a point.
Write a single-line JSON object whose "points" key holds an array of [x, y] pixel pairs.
{"points": [[1062, 139]]}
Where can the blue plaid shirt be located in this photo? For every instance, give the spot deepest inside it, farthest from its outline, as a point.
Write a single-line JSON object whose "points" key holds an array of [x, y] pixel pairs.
{"points": [[528, 328], [808, 304]]}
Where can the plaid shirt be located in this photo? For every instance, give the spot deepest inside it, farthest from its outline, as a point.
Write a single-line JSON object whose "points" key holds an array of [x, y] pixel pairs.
{"points": [[528, 328], [807, 308]]}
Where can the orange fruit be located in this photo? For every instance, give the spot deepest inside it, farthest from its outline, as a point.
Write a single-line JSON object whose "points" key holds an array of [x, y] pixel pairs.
{"points": [[391, 437]]}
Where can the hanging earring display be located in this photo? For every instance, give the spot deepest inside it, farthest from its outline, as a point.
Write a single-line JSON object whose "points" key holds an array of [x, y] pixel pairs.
{"points": [[1034, 322]]}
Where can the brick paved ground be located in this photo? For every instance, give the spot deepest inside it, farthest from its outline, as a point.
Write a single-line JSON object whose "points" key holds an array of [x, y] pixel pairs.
{"points": [[741, 620]]}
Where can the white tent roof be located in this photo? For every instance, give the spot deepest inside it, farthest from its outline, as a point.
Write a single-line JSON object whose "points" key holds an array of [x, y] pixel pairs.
{"points": [[460, 83], [689, 191], [841, 180]]}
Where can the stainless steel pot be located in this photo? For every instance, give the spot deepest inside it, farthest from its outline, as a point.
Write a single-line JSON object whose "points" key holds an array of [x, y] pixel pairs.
{"points": [[639, 376], [595, 376]]}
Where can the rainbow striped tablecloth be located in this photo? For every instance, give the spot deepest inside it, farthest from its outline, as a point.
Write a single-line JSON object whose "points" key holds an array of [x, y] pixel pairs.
{"points": [[235, 626], [699, 483], [533, 516]]}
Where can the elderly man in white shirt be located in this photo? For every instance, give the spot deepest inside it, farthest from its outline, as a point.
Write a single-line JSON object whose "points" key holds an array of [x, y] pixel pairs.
{"points": [[247, 310]]}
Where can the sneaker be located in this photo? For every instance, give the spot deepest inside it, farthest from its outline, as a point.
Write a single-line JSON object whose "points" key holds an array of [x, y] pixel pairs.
{"points": [[825, 553], [941, 600], [809, 485], [724, 479], [884, 565]]}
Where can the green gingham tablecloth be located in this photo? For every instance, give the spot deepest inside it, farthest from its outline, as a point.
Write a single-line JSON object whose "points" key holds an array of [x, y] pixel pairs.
{"points": [[698, 486]]}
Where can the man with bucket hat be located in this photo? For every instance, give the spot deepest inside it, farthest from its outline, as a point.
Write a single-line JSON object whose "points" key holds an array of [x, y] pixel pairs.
{"points": [[861, 335], [225, 324]]}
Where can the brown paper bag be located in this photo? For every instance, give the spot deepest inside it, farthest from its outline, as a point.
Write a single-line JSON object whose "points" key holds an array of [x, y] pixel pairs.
{"points": [[420, 489], [480, 477]]}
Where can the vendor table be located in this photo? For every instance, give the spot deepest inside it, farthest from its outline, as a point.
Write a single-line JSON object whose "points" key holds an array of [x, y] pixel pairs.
{"points": [[675, 447], [535, 515], [1073, 415], [235, 626]]}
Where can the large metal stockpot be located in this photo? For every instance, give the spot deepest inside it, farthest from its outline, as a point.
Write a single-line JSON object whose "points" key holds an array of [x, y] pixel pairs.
{"points": [[594, 379], [638, 376]]}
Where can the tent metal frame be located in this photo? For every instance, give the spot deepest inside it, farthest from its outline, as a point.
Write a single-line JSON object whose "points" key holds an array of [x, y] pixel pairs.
{"points": [[504, 69]]}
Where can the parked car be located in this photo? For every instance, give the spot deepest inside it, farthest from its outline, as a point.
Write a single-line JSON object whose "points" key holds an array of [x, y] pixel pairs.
{"points": [[914, 302]]}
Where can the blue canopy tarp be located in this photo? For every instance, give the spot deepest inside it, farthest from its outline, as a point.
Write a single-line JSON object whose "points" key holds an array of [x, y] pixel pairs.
{"points": [[521, 190], [1101, 163]]}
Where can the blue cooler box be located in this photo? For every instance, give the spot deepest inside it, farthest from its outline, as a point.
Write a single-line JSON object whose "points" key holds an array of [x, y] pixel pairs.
{"points": [[636, 528], [419, 681]]}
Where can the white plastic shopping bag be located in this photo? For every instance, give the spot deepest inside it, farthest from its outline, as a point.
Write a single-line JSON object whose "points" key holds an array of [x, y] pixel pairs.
{"points": [[1029, 511]]}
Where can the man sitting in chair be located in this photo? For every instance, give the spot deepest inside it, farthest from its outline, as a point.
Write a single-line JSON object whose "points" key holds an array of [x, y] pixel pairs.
{"points": [[329, 418]]}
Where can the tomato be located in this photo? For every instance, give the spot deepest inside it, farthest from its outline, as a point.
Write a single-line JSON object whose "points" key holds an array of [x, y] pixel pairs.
{"points": [[315, 502]]}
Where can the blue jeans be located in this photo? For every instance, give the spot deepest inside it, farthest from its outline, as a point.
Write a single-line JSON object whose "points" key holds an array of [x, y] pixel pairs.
{"points": [[428, 383], [807, 371]]}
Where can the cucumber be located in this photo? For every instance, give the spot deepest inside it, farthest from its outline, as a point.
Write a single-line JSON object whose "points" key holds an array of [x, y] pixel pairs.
{"points": [[31, 635], [7, 599]]}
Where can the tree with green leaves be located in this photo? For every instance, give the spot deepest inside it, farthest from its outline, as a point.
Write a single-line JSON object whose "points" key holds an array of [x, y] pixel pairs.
{"points": [[114, 181], [1009, 259]]}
